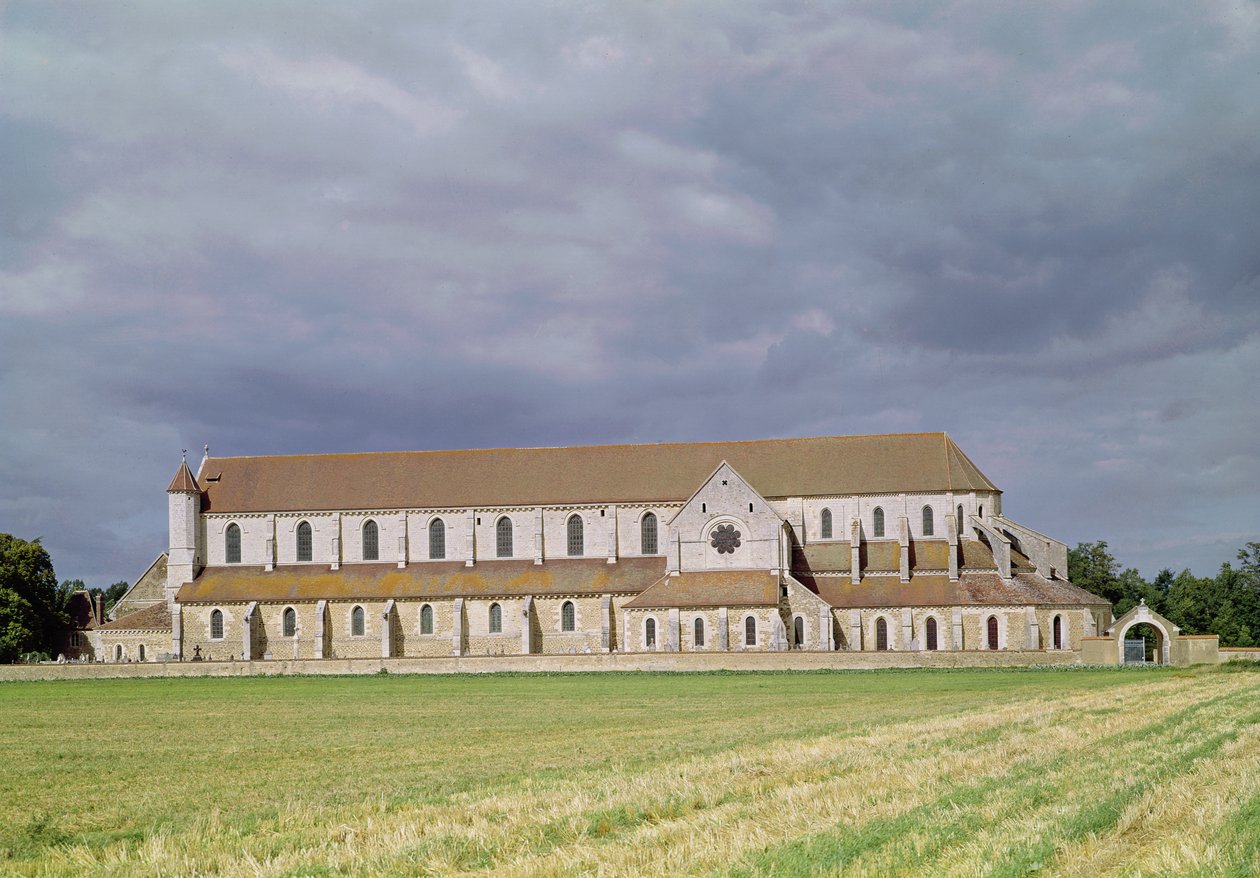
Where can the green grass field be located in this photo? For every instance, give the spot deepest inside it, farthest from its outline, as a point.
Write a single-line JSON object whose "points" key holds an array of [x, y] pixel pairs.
{"points": [[991, 772]]}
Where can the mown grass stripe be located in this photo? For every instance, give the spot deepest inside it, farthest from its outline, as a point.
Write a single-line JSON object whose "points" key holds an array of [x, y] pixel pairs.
{"points": [[1032, 857], [833, 849], [726, 824]]}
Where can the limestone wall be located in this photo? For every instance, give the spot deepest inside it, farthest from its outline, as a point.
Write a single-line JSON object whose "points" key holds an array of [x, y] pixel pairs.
{"points": [[196, 630], [687, 661], [155, 644]]}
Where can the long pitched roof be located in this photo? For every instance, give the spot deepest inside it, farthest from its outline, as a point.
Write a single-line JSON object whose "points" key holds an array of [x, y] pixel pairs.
{"points": [[436, 579], [914, 462], [154, 618], [935, 590], [711, 588]]}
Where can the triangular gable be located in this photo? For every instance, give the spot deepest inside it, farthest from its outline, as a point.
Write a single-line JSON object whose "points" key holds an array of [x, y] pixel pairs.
{"points": [[724, 471], [145, 591], [1139, 614]]}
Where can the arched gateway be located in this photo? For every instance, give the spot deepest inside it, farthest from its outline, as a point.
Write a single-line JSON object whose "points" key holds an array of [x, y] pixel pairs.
{"points": [[1171, 647]]}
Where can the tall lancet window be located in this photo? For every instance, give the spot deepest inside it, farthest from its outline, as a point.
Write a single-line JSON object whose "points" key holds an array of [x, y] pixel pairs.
{"points": [[437, 539], [575, 535], [232, 544], [304, 541], [503, 538], [371, 541], [879, 521], [826, 524], [928, 523], [647, 534]]}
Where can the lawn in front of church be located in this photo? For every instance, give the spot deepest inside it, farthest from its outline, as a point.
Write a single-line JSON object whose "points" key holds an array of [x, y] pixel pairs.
{"points": [[998, 772]]}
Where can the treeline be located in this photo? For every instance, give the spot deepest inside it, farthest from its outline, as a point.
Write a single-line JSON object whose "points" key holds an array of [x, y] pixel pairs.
{"points": [[1227, 604], [33, 606]]}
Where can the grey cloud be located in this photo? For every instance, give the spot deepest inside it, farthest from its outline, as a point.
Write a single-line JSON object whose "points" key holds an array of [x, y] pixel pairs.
{"points": [[310, 227]]}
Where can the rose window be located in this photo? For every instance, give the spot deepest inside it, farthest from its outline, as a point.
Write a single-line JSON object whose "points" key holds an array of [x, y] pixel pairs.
{"points": [[725, 539]]}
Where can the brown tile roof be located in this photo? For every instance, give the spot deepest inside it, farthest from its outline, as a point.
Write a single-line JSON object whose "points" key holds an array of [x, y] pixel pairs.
{"points": [[311, 582], [976, 555], [883, 557], [81, 609], [935, 590], [822, 556], [184, 481], [600, 473], [712, 588], [156, 617]]}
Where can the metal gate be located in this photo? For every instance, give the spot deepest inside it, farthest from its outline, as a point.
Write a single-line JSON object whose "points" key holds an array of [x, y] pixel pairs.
{"points": [[1135, 652]]}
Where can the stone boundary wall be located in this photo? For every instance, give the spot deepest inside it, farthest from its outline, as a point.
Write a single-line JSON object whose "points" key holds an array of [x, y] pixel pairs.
{"points": [[1239, 652], [726, 661]]}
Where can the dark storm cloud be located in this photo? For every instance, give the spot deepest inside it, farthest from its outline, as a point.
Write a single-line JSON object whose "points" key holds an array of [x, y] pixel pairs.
{"points": [[308, 227]]}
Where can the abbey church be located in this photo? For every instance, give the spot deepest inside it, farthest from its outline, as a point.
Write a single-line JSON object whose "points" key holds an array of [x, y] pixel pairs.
{"points": [[870, 543]]}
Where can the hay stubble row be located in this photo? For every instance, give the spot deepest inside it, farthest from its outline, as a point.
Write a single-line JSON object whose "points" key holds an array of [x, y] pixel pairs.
{"points": [[1001, 773]]}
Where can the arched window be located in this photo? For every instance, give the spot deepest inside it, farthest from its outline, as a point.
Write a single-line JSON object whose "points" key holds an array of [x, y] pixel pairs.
{"points": [[118, 652], [371, 541], [881, 634], [141, 654], [437, 539], [993, 632], [798, 633], [698, 629], [575, 535], [647, 534], [927, 521], [750, 631], [649, 632], [232, 544], [426, 619], [960, 519], [290, 622], [1057, 636], [304, 541], [931, 634], [216, 624], [496, 619], [879, 521], [826, 524], [356, 621], [980, 512], [568, 621], [503, 538]]}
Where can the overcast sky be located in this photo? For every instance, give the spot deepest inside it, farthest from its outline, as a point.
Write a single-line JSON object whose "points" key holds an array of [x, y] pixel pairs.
{"points": [[291, 227]]}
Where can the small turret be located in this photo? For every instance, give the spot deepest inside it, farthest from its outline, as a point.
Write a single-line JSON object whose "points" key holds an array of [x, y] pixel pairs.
{"points": [[184, 482], [184, 507]]}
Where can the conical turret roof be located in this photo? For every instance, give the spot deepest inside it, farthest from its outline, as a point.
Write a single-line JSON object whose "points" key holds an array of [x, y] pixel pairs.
{"points": [[184, 482]]}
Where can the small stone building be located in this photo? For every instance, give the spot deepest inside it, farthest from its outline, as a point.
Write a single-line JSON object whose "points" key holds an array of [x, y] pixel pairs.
{"points": [[77, 641], [139, 625], [894, 542]]}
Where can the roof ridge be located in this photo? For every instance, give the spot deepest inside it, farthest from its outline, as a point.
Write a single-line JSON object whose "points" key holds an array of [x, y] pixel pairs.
{"points": [[570, 447]]}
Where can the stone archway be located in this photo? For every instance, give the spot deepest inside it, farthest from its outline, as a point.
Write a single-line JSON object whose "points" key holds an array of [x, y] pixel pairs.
{"points": [[1135, 651], [1156, 623], [1175, 648]]}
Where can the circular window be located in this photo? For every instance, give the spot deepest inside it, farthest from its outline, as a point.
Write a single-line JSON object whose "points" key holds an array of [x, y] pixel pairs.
{"points": [[725, 539]]}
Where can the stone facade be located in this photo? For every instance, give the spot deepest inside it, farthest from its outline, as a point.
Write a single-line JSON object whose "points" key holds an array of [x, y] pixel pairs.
{"points": [[856, 544]]}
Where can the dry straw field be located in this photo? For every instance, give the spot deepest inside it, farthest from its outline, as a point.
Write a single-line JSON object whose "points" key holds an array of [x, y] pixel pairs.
{"points": [[1013, 773]]}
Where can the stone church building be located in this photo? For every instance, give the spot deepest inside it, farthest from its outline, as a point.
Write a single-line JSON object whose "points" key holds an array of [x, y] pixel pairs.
{"points": [[892, 542]]}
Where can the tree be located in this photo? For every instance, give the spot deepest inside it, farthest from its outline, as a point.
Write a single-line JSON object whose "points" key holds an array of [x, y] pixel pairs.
{"points": [[115, 592], [65, 590], [1092, 567], [30, 617]]}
